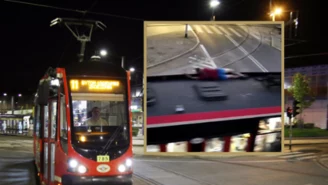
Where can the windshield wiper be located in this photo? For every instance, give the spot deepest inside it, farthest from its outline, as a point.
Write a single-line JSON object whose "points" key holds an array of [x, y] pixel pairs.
{"points": [[111, 139], [116, 133]]}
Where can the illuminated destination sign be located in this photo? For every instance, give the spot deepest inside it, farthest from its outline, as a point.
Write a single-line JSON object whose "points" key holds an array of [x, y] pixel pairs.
{"points": [[94, 85]]}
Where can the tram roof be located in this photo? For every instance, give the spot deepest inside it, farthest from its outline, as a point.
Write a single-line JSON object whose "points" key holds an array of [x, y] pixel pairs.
{"points": [[244, 95], [93, 68]]}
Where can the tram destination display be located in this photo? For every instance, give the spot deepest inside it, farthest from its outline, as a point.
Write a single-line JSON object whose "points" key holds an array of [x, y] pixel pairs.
{"points": [[96, 86]]}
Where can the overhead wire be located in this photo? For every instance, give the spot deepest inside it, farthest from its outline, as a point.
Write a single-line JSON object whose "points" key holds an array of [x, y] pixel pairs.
{"points": [[307, 55], [75, 10]]}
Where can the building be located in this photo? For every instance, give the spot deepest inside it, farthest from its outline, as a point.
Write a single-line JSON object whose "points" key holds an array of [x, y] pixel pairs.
{"points": [[137, 110], [318, 112]]}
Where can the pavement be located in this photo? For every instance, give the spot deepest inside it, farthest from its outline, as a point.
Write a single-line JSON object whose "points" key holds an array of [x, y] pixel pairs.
{"points": [[16, 168], [166, 42], [244, 48]]}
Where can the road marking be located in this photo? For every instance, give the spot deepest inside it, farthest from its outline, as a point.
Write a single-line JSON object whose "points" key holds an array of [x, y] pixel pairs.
{"points": [[189, 28], [308, 157], [257, 63], [198, 29], [200, 62], [235, 32], [291, 156], [207, 55], [216, 30], [247, 31], [324, 155], [224, 30], [200, 65], [207, 30]]}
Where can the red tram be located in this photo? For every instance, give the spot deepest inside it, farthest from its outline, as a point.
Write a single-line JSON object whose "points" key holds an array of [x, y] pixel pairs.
{"points": [[83, 130]]}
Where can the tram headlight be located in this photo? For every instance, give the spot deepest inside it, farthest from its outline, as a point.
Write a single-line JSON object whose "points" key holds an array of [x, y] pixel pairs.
{"points": [[121, 168], [73, 163], [82, 169], [128, 162], [74, 166]]}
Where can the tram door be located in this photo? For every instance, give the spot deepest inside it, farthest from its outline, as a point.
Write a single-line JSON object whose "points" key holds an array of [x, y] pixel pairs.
{"points": [[50, 122]]}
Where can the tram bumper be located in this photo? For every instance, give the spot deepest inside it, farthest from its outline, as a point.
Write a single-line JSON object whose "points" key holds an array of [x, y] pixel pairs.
{"points": [[97, 180]]}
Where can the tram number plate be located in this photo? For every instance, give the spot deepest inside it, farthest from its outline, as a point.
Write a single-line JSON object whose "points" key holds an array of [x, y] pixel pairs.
{"points": [[102, 158]]}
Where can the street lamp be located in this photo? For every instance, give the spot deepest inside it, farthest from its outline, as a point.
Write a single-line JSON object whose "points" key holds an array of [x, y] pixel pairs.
{"points": [[19, 95], [103, 53], [4, 94], [214, 4], [132, 69], [273, 14]]}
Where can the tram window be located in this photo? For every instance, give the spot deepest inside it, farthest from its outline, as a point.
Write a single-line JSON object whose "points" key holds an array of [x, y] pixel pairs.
{"points": [[37, 121], [46, 121], [63, 124], [63, 121], [53, 119]]}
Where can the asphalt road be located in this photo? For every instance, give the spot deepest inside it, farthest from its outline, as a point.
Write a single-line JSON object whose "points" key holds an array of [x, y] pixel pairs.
{"points": [[16, 168], [231, 46]]}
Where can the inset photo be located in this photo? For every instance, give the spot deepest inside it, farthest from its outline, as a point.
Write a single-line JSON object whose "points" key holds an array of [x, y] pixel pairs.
{"points": [[214, 87]]}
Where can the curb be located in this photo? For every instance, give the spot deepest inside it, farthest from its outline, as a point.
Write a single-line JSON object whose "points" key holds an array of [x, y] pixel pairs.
{"points": [[181, 54], [294, 144]]}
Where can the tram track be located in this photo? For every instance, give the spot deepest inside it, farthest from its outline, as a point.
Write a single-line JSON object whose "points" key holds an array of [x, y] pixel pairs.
{"points": [[151, 181], [260, 167], [140, 178], [240, 45]]}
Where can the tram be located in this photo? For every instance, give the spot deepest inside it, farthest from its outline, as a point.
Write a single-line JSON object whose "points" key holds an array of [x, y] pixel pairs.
{"points": [[83, 130]]}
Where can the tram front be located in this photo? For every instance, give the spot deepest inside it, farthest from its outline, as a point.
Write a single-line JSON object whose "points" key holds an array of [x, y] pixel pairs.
{"points": [[99, 141]]}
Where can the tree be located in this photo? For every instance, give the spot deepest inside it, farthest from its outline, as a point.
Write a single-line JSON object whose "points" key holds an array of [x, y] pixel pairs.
{"points": [[301, 92]]}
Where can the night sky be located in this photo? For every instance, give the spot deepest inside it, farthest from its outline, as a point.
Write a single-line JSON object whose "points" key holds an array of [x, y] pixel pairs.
{"points": [[31, 46]]}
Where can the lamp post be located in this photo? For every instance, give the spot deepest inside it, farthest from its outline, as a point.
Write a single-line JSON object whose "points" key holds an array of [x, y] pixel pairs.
{"points": [[214, 4], [276, 12]]}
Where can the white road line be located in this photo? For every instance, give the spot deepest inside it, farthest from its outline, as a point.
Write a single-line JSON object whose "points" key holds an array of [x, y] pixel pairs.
{"points": [[207, 55], [324, 155], [201, 62], [195, 64], [308, 157], [198, 28], [189, 28], [235, 32], [257, 63], [224, 30], [247, 31], [207, 29], [297, 155], [216, 30]]}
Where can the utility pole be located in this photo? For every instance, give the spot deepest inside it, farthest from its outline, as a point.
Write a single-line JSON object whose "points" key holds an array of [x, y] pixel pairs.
{"points": [[122, 62], [71, 24], [290, 115], [290, 133], [296, 23], [12, 105], [291, 24], [186, 31]]}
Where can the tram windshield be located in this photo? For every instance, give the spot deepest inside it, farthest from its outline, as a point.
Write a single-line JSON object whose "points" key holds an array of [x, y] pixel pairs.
{"points": [[99, 121], [99, 114]]}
